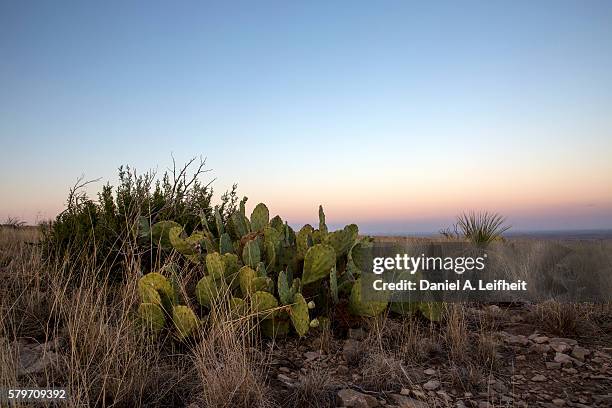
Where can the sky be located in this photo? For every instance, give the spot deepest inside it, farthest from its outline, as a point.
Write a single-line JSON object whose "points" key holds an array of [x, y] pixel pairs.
{"points": [[394, 115]]}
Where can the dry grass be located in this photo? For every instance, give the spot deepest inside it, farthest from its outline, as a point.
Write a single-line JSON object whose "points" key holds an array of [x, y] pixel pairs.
{"points": [[103, 357], [315, 389]]}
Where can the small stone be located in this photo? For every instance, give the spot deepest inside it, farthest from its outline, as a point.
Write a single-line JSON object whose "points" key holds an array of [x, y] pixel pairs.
{"points": [[405, 391], [538, 378], [552, 365], [540, 348], [430, 371], [571, 342], [558, 402], [560, 347], [580, 353], [563, 359], [432, 385], [285, 370], [351, 398], [312, 355], [540, 339], [521, 358], [569, 370]]}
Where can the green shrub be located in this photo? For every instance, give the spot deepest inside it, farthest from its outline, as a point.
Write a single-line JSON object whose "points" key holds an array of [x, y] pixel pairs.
{"points": [[104, 233]]}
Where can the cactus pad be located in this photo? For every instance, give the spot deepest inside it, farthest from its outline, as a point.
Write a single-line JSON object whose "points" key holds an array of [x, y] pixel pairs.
{"points": [[185, 246], [251, 255], [215, 265], [359, 307], [264, 302], [151, 316], [344, 239], [299, 315], [160, 231], [184, 320], [161, 285], [208, 290], [318, 263], [260, 217]]}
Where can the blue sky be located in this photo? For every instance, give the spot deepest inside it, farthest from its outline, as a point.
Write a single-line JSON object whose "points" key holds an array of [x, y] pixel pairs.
{"points": [[396, 115]]}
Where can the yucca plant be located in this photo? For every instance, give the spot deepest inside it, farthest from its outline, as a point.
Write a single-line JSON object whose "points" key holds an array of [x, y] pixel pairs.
{"points": [[483, 227]]}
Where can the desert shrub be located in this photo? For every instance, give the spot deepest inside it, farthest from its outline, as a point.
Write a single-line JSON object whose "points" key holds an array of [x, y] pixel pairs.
{"points": [[102, 233]]}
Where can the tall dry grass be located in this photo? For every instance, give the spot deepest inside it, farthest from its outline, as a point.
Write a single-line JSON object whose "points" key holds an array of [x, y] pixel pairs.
{"points": [[97, 350]]}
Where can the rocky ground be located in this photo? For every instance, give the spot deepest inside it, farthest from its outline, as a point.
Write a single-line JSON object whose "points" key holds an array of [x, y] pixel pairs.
{"points": [[533, 368], [529, 368]]}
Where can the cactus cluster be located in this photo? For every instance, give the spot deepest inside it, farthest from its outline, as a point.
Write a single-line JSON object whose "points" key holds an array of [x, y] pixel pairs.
{"points": [[261, 267], [160, 304]]}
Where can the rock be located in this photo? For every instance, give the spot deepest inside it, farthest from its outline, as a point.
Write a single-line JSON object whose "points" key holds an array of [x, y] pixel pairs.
{"points": [[312, 355], [571, 342], [406, 402], [405, 391], [430, 371], [351, 398], [563, 359], [285, 370], [569, 370], [580, 353], [558, 402], [540, 339], [520, 339], [551, 365], [521, 357], [560, 347], [357, 334], [538, 378], [432, 385]]}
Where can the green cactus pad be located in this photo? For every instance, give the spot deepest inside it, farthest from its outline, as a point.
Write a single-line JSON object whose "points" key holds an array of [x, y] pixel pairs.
{"points": [[272, 328], [251, 255], [184, 320], [215, 265], [432, 310], [277, 223], [359, 307], [333, 285], [246, 275], [208, 290], [343, 240], [322, 225], [151, 316], [186, 246], [318, 263], [304, 240], [263, 303], [238, 225], [260, 217], [232, 266], [148, 294], [225, 244], [160, 231], [298, 313], [160, 284], [284, 292], [360, 255]]}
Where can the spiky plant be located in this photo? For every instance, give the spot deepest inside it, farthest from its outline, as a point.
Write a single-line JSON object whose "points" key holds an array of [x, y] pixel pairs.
{"points": [[483, 227]]}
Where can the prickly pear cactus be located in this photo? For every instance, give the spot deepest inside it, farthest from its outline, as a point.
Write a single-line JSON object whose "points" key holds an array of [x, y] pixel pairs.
{"points": [[260, 217], [298, 313], [158, 283], [359, 307], [186, 246], [215, 265], [209, 289], [264, 303], [160, 233], [152, 317], [251, 255], [343, 240], [318, 262], [184, 320]]}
